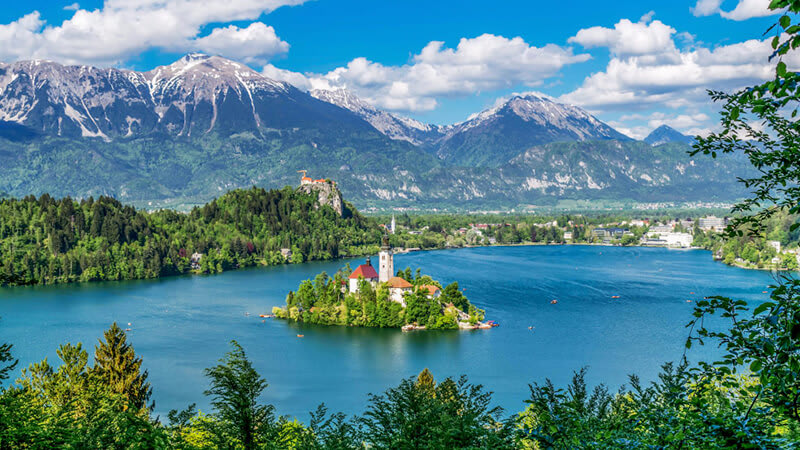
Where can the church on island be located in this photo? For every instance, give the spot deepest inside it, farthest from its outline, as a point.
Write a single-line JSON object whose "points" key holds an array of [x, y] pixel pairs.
{"points": [[385, 274]]}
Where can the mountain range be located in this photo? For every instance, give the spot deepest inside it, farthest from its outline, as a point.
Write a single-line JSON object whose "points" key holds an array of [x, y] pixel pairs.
{"points": [[183, 133]]}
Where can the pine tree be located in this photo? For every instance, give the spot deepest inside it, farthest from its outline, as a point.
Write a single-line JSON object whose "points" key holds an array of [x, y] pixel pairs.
{"points": [[426, 382], [235, 389], [116, 364]]}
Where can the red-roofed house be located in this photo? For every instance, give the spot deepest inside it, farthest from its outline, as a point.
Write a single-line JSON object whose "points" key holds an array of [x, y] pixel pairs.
{"points": [[365, 272], [432, 291], [397, 287]]}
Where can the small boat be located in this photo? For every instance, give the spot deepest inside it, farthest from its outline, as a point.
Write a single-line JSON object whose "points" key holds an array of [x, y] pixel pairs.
{"points": [[553, 302], [688, 301], [691, 293], [127, 329], [301, 335], [763, 292], [263, 316], [615, 296]]}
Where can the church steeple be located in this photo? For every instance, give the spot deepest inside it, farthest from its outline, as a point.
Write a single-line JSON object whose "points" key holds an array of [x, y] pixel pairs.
{"points": [[386, 256]]}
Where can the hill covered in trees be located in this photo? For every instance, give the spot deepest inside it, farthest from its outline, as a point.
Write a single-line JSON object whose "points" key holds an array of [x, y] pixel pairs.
{"points": [[45, 240], [325, 301]]}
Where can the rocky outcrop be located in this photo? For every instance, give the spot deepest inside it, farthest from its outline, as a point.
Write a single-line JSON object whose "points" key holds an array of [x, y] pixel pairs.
{"points": [[327, 194]]}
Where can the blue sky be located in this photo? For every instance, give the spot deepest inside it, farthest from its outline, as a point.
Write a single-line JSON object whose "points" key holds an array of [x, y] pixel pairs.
{"points": [[635, 64]]}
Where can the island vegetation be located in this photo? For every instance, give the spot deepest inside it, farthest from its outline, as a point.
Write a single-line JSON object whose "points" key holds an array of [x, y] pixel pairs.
{"points": [[325, 300]]}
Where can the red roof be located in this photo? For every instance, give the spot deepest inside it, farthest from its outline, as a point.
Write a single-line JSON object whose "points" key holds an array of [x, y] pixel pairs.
{"points": [[364, 271], [305, 179], [430, 288], [397, 282]]}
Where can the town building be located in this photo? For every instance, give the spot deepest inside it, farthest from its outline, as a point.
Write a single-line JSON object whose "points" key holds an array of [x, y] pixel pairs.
{"points": [[712, 223], [670, 239], [432, 291], [363, 272], [195, 260], [610, 233], [776, 245], [661, 229], [397, 288]]}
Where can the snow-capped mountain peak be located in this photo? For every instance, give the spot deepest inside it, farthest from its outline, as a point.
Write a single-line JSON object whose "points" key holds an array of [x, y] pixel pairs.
{"points": [[546, 111], [392, 125], [191, 96], [665, 134]]}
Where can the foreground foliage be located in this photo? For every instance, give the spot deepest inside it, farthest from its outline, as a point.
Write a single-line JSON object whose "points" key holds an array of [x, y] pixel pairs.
{"points": [[74, 405]]}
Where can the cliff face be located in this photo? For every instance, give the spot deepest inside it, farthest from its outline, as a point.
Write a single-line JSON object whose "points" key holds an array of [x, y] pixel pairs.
{"points": [[327, 194]]}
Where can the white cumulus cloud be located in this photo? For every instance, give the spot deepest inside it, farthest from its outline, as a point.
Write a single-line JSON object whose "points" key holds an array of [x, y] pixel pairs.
{"points": [[628, 38], [670, 77], [667, 78], [484, 63], [252, 45], [122, 29], [745, 9]]}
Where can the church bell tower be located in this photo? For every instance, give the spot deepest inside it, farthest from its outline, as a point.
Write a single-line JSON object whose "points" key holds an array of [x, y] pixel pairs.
{"points": [[386, 265]]}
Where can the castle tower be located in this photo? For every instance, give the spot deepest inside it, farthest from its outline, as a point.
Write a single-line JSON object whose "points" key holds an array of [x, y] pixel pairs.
{"points": [[386, 265]]}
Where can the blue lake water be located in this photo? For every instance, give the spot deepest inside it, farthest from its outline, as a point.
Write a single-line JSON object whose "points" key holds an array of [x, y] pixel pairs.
{"points": [[182, 325]]}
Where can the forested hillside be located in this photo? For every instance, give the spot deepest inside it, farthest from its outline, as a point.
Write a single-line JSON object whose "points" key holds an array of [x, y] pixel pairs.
{"points": [[44, 240]]}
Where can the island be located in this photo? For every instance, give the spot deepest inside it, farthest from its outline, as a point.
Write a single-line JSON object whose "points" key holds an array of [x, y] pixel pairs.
{"points": [[365, 297]]}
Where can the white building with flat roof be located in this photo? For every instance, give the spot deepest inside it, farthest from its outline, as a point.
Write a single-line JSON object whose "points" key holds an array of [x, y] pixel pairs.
{"points": [[712, 223], [670, 239]]}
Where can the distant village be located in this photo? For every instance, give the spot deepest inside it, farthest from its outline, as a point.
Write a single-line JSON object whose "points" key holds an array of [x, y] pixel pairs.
{"points": [[676, 233], [669, 233]]}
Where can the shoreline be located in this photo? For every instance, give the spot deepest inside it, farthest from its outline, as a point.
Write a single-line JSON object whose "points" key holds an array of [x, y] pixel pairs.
{"points": [[590, 244], [404, 251]]}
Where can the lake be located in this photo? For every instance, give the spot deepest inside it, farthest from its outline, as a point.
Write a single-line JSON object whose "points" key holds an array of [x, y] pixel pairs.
{"points": [[182, 325]]}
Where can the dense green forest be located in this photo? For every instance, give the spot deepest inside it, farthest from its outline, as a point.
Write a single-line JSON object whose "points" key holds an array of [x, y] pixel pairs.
{"points": [[44, 240], [327, 301]]}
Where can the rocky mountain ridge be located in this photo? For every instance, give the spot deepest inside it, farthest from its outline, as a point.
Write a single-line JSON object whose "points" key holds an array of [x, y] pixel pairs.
{"points": [[186, 132]]}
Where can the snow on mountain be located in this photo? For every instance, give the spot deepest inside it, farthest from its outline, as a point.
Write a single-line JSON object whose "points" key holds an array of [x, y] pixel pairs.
{"points": [[665, 134], [194, 95], [200, 93], [392, 125], [543, 110], [494, 136]]}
